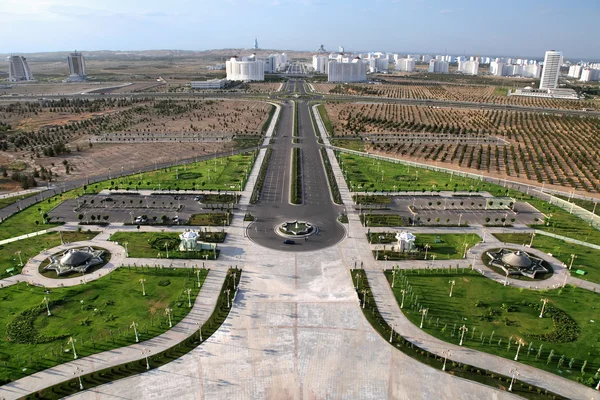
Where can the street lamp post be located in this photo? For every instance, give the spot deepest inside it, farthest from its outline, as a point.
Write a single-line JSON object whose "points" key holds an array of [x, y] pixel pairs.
{"points": [[72, 343], [134, 326], [167, 249], [189, 292], [465, 252], [168, 312], [515, 373], [146, 353], [464, 329], [78, 371], [520, 343], [446, 354], [452, 283], [126, 251], [142, 280], [402, 302], [423, 315], [392, 333], [47, 306], [198, 276], [20, 259], [427, 247], [543, 307], [573, 257]]}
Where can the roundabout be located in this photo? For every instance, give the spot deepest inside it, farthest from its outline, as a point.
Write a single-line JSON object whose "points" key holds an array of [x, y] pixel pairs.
{"points": [[296, 229]]}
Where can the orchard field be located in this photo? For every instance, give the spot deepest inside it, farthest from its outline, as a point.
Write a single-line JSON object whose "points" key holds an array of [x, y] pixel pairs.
{"points": [[559, 150]]}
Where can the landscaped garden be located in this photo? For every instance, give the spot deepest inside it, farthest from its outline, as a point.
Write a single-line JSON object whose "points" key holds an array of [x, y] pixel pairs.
{"points": [[159, 245], [564, 341], [438, 247], [586, 258], [98, 316], [211, 219], [11, 260]]}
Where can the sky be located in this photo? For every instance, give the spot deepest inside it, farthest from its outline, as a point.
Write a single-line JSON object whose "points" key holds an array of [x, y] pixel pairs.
{"points": [[520, 28]]}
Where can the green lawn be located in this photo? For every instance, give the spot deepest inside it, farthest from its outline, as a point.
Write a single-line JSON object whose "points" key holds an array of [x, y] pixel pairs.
{"points": [[587, 258], [33, 246], [211, 219], [568, 330], [224, 173], [586, 204], [372, 199], [381, 220], [5, 202], [98, 315], [443, 247], [152, 245], [357, 145], [365, 174]]}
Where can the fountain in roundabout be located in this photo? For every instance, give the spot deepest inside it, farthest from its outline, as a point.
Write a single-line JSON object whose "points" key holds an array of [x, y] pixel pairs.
{"points": [[296, 229]]}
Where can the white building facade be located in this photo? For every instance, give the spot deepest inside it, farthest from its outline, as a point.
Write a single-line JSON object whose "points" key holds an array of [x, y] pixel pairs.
{"points": [[18, 69], [319, 63], [438, 67], [355, 71], [245, 69], [552, 62], [590, 74], [210, 84], [575, 71], [468, 67], [76, 67], [405, 64]]}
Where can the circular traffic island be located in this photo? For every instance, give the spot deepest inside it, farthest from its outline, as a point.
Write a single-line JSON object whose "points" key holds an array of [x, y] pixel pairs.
{"points": [[296, 229]]}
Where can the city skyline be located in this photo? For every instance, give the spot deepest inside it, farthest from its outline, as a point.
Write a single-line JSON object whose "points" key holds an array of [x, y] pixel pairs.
{"points": [[433, 26]]}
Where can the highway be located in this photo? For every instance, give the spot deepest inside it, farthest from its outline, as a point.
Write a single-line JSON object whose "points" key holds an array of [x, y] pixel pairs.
{"points": [[274, 206]]}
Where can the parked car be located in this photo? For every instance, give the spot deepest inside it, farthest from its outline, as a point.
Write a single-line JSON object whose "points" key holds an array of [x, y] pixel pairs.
{"points": [[289, 241]]}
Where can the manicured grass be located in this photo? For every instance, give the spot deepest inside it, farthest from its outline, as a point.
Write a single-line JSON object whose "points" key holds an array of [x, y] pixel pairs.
{"points": [[366, 174], [33, 246], [443, 247], [326, 121], [260, 180], [382, 220], [90, 380], [363, 173], [97, 315], [465, 371], [211, 219], [587, 258], [223, 199], [586, 204], [569, 326], [333, 185], [296, 186], [5, 202], [372, 199], [224, 173], [152, 245]]}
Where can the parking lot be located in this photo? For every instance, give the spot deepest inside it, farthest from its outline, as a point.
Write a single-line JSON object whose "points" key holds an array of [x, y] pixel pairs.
{"points": [[452, 210], [126, 208]]}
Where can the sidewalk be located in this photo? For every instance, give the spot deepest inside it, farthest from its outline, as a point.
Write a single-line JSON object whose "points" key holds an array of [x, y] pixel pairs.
{"points": [[202, 309]]}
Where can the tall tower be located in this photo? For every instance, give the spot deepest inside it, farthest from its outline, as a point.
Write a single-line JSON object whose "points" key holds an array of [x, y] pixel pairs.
{"points": [[76, 67], [255, 47], [18, 69], [552, 62]]}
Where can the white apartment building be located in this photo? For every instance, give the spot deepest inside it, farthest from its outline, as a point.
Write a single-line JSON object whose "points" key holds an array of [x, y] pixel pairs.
{"points": [[575, 71], [319, 63], [405, 64], [468, 67], [426, 58], [378, 64], [590, 74], [504, 69], [552, 62], [18, 69], [76, 67], [438, 67], [245, 69], [355, 71], [210, 84]]}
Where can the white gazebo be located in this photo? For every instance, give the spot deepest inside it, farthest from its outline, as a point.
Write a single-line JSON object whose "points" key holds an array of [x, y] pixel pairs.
{"points": [[189, 241], [406, 241]]}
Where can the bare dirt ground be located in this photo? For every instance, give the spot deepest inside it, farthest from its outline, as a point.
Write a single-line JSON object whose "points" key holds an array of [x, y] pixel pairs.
{"points": [[98, 159], [42, 89]]}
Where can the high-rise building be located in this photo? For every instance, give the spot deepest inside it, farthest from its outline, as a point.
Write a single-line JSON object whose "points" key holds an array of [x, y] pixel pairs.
{"points": [[76, 67], [245, 69], [438, 67], [255, 46], [18, 69], [405, 64], [552, 62], [575, 71], [355, 71], [319, 63], [590, 74], [468, 67]]}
